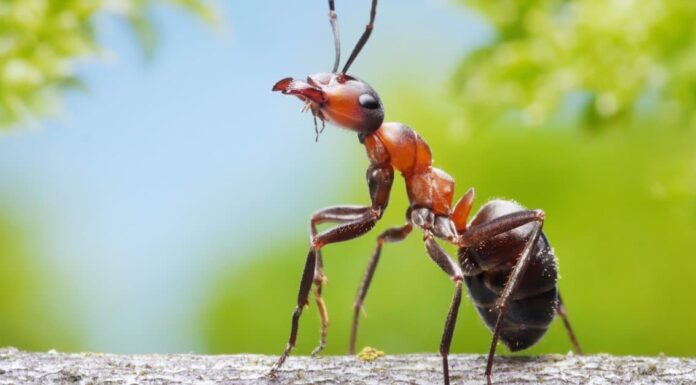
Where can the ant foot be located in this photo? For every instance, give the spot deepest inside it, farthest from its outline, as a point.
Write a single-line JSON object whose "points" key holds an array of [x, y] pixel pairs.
{"points": [[317, 350]]}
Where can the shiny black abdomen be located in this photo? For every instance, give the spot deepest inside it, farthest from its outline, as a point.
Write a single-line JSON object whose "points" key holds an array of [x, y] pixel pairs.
{"points": [[487, 266]]}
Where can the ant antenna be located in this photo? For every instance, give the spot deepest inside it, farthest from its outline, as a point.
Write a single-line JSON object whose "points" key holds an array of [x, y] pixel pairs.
{"points": [[363, 38], [333, 19]]}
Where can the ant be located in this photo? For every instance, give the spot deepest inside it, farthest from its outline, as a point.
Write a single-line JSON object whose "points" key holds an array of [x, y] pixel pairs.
{"points": [[505, 259]]}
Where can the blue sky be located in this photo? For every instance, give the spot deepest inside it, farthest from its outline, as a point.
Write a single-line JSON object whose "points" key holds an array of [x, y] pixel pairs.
{"points": [[133, 188]]}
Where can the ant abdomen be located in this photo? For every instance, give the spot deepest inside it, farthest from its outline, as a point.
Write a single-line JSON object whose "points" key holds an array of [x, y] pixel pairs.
{"points": [[488, 265]]}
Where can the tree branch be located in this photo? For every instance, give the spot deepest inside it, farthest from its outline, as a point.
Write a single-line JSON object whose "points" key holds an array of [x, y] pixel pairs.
{"points": [[18, 367]]}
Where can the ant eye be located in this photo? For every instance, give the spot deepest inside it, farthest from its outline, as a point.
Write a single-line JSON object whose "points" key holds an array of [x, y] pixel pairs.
{"points": [[368, 101]]}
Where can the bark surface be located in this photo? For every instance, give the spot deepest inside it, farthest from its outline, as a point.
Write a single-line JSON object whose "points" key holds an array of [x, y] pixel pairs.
{"points": [[17, 367]]}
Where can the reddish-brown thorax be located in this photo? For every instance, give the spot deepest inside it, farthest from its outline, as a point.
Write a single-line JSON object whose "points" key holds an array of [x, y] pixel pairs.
{"points": [[399, 146]]}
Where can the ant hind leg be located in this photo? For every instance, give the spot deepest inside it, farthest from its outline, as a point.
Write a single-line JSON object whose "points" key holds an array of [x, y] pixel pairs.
{"points": [[514, 279], [561, 310]]}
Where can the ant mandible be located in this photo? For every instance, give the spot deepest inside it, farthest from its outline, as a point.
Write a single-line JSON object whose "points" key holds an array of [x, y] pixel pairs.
{"points": [[504, 257]]}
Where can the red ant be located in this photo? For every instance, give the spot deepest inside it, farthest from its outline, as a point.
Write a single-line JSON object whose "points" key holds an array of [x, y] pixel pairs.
{"points": [[504, 257]]}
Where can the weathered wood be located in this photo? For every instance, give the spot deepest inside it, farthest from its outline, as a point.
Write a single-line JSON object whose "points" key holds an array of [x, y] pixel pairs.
{"points": [[18, 367]]}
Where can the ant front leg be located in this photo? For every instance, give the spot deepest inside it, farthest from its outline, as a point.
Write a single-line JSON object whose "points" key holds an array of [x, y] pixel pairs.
{"points": [[337, 214], [379, 180], [394, 234]]}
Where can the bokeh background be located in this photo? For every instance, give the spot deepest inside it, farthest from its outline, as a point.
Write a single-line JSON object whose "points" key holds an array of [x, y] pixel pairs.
{"points": [[155, 195]]}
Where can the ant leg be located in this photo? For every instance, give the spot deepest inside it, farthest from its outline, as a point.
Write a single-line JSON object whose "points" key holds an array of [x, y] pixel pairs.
{"points": [[394, 234], [449, 329], [319, 280], [305, 285], [487, 230], [335, 214], [512, 283], [339, 233], [440, 257], [340, 214], [561, 310], [323, 315], [379, 181]]}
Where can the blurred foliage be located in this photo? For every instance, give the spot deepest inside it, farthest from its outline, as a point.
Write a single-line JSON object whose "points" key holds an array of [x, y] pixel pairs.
{"points": [[41, 40], [620, 215], [35, 309], [592, 63]]}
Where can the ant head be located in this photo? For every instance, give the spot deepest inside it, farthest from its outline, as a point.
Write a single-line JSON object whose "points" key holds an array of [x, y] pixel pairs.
{"points": [[339, 99], [336, 97]]}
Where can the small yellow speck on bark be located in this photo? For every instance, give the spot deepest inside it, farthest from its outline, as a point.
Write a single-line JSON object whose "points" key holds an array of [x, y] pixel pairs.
{"points": [[369, 354]]}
